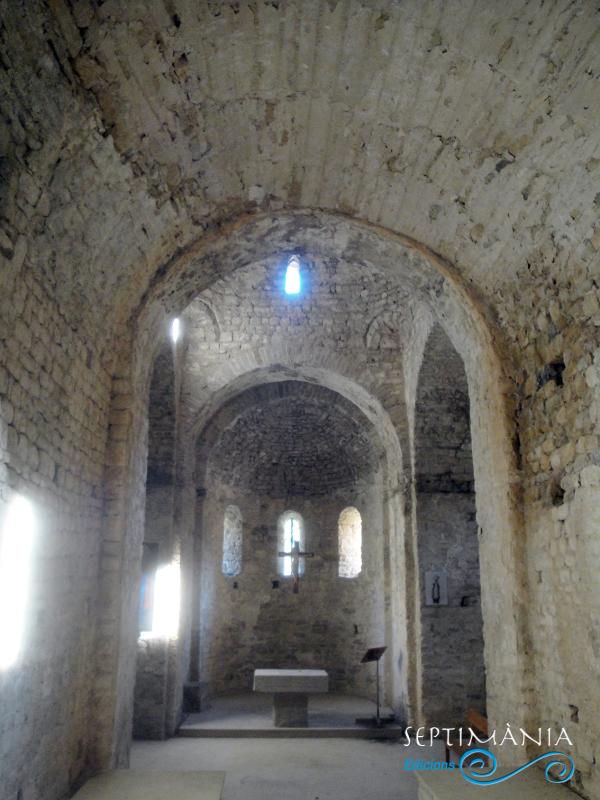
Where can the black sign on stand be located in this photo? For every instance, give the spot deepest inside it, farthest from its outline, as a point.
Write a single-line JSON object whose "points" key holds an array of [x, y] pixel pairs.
{"points": [[374, 654]]}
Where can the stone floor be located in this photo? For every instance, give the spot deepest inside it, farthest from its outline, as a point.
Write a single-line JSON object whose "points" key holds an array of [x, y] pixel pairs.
{"points": [[293, 769], [131, 784], [252, 711], [529, 785]]}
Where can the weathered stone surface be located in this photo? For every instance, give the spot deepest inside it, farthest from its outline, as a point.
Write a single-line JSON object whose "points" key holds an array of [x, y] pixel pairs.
{"points": [[329, 623], [453, 669], [139, 144]]}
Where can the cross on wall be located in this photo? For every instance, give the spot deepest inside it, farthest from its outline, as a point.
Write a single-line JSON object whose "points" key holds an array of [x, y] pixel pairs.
{"points": [[296, 554]]}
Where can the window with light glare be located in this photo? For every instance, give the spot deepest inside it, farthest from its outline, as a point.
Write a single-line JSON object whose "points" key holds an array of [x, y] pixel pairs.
{"points": [[164, 585], [16, 543], [293, 281], [167, 599], [232, 541], [350, 543], [291, 533]]}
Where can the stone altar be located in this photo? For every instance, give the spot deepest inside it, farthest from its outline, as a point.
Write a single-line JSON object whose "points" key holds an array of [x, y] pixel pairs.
{"points": [[290, 689]]}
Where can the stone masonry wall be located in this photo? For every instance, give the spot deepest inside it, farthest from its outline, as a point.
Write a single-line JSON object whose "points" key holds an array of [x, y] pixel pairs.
{"points": [[345, 318], [54, 399], [453, 673], [99, 178], [246, 623], [55, 394], [313, 453], [559, 335]]}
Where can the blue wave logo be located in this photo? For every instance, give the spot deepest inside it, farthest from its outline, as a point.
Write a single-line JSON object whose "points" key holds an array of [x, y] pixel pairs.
{"points": [[477, 766]]}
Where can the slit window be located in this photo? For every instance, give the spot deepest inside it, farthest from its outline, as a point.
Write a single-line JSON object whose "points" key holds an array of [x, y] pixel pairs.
{"points": [[293, 281], [291, 536], [350, 543], [232, 541]]}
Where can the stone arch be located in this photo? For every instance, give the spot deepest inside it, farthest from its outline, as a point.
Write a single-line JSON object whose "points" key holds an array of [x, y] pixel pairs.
{"points": [[229, 405], [218, 414], [350, 436], [451, 667], [383, 331], [433, 282], [271, 370], [204, 315]]}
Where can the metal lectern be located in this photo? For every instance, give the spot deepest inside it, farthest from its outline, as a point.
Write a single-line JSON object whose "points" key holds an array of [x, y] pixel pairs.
{"points": [[374, 654]]}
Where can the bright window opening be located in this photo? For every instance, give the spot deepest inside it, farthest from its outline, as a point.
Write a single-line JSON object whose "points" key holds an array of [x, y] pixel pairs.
{"points": [[165, 589], [175, 330], [232, 541], [150, 559], [291, 536], [15, 561], [292, 276], [350, 543]]}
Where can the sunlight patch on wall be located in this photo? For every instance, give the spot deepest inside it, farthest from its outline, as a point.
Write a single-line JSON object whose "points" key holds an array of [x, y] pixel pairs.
{"points": [[15, 563]]}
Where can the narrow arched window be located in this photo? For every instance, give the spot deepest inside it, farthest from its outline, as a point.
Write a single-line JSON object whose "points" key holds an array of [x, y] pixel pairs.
{"points": [[232, 541], [350, 543], [292, 276], [291, 538]]}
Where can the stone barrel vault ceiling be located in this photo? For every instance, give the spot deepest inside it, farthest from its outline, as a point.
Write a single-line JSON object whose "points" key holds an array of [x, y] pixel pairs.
{"points": [[470, 127], [289, 439]]}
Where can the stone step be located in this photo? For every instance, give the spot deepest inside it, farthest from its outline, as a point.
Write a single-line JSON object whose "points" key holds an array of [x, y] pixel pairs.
{"points": [[189, 732], [129, 784], [526, 786]]}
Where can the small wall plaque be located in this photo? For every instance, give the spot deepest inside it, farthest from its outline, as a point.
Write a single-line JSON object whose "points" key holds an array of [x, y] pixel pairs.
{"points": [[436, 587]]}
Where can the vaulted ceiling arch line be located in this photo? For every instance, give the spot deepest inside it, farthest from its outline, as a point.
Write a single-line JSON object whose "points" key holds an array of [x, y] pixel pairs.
{"points": [[288, 438], [425, 276], [428, 281], [353, 394], [459, 140]]}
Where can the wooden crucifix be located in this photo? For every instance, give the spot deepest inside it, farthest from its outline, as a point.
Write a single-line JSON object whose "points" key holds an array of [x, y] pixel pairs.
{"points": [[296, 554]]}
